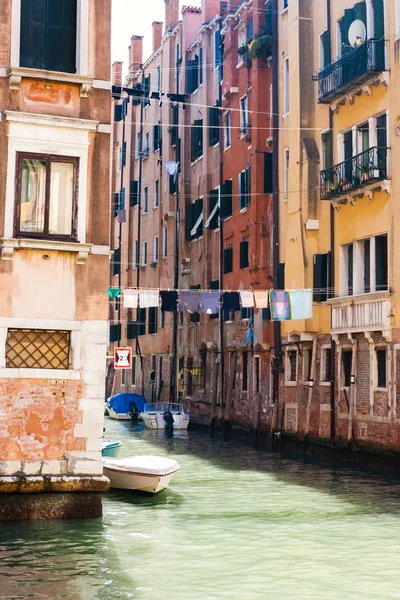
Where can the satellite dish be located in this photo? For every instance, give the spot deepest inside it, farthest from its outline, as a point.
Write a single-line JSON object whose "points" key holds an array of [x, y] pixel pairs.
{"points": [[357, 33]]}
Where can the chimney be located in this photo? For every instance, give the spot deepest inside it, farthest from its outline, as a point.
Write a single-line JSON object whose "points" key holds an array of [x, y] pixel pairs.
{"points": [[157, 34], [209, 8], [117, 72], [135, 53], [171, 14]]}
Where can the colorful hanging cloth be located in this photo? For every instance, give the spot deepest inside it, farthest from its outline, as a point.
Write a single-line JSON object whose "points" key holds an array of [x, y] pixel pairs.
{"points": [[169, 301], [149, 298], [301, 304], [210, 303], [131, 298], [114, 292], [189, 301], [230, 301], [246, 299], [280, 305], [261, 299]]}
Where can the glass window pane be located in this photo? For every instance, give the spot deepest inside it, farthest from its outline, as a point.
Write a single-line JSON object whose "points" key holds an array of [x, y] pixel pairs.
{"points": [[61, 197], [33, 186]]}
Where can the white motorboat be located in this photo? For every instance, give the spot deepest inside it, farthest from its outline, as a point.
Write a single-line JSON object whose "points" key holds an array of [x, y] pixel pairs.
{"points": [[164, 415], [142, 473]]}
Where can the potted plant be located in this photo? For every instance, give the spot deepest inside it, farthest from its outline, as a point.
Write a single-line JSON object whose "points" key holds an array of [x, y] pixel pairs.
{"points": [[364, 170], [242, 50], [356, 178], [336, 188], [261, 47]]}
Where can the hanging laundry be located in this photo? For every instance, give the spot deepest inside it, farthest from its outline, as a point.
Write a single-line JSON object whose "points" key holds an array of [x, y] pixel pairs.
{"points": [[230, 301], [301, 304], [172, 168], [210, 303], [114, 292], [261, 299], [280, 305], [246, 299], [131, 298], [149, 298], [169, 301], [250, 332], [189, 301]]}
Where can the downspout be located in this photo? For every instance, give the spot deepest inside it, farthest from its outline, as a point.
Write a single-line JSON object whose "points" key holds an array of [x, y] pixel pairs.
{"points": [[331, 292], [275, 206], [140, 214]]}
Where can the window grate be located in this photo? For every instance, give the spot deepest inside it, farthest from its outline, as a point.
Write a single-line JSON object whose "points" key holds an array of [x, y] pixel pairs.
{"points": [[37, 349]]}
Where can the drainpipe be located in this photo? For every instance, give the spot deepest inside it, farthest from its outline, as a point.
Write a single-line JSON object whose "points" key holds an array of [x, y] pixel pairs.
{"points": [[331, 292], [140, 214], [275, 204], [120, 223]]}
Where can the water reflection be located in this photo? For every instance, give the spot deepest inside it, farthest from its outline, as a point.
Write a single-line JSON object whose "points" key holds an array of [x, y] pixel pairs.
{"points": [[235, 524]]}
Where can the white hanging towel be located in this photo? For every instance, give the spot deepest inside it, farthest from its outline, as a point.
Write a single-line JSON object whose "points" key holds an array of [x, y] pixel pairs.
{"points": [[171, 167], [149, 298], [131, 298], [247, 299], [261, 299]]}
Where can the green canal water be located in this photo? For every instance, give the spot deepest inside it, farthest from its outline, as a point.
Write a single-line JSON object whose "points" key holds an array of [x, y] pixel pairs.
{"points": [[235, 524]]}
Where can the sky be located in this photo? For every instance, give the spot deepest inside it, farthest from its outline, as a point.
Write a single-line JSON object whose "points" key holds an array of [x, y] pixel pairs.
{"points": [[134, 17]]}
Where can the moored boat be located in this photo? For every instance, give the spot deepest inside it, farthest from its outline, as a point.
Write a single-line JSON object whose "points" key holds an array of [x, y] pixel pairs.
{"points": [[142, 473], [165, 415], [125, 406], [110, 448]]}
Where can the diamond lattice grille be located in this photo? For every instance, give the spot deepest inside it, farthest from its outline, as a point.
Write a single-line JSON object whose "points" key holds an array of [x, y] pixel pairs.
{"points": [[37, 349]]}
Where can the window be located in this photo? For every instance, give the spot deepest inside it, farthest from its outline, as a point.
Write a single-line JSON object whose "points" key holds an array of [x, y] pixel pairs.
{"points": [[158, 78], [201, 65], [286, 87], [213, 125], [135, 254], [381, 367], [217, 48], [193, 74], [228, 259], [146, 149], [227, 130], [381, 262], [256, 374], [324, 49], [133, 370], [144, 254], [244, 116], [291, 365], [326, 150], [285, 4], [48, 35], [286, 174], [145, 200], [141, 314], [37, 349], [242, 40], [162, 319], [326, 365], [177, 60], [307, 361], [197, 139], [194, 219], [156, 193], [244, 253], [116, 262], [364, 266], [153, 320], [164, 242], [346, 367], [138, 147], [146, 89], [174, 127], [244, 371], [214, 285], [156, 136], [244, 185], [213, 210], [322, 277], [134, 193], [155, 249], [226, 199], [47, 196]]}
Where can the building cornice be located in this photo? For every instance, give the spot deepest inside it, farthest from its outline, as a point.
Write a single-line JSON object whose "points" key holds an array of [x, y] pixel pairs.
{"points": [[50, 120]]}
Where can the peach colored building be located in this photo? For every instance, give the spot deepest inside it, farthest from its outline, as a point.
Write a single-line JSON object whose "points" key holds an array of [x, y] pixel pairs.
{"points": [[54, 242]]}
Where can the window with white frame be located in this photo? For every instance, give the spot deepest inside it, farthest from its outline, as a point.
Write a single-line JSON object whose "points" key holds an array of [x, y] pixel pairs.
{"points": [[155, 248], [145, 200], [138, 145], [286, 173], [286, 86], [291, 366], [146, 148], [156, 193], [364, 266], [227, 130], [325, 365], [242, 41], [144, 254], [164, 242], [381, 368], [158, 78], [338, 40], [135, 254], [307, 364], [244, 115], [323, 49]]}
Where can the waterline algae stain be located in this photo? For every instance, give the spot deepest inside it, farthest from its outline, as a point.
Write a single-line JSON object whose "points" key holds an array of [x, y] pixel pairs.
{"points": [[235, 524]]}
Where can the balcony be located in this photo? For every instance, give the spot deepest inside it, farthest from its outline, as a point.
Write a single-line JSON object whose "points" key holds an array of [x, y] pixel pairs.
{"points": [[367, 312], [356, 172], [353, 68]]}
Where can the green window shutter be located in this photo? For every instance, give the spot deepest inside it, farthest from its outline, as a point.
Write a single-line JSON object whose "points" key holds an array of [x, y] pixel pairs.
{"points": [[116, 262], [190, 77], [360, 12], [345, 23], [115, 332], [123, 154], [381, 262], [201, 65], [213, 200], [228, 260], [141, 321], [268, 183], [226, 199], [379, 34], [134, 192], [244, 254], [178, 153], [188, 220], [33, 34], [118, 112], [172, 184], [60, 54], [116, 203], [320, 277], [153, 317], [281, 276], [131, 330], [326, 48]]}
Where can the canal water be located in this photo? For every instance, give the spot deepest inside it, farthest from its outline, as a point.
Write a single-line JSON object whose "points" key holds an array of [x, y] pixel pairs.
{"points": [[235, 524]]}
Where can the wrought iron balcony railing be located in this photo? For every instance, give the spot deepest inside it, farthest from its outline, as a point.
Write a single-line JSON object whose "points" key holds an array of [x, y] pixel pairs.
{"points": [[355, 172], [354, 67]]}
